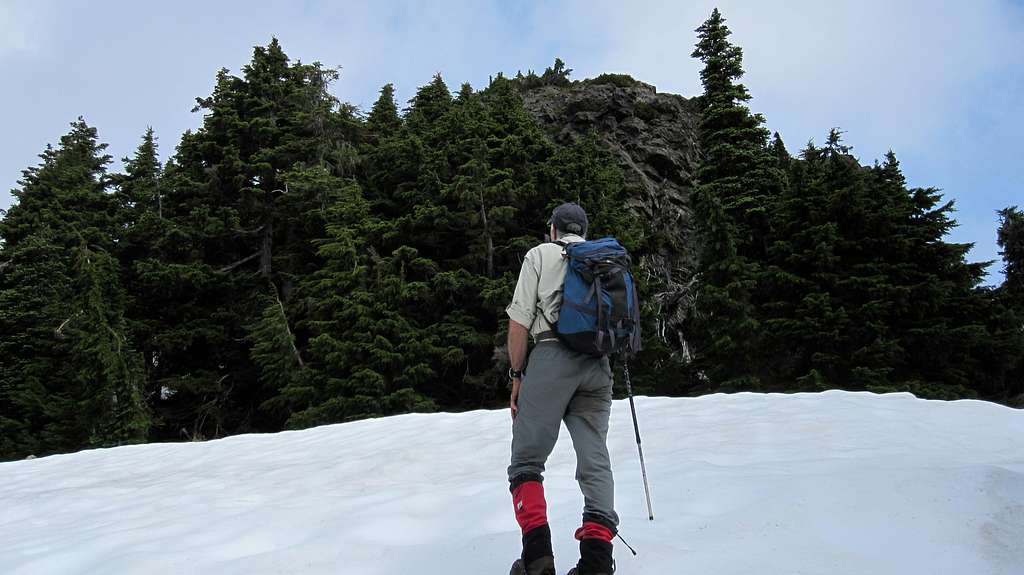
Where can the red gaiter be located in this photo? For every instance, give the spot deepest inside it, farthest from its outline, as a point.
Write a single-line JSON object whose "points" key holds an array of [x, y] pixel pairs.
{"points": [[591, 530], [531, 509]]}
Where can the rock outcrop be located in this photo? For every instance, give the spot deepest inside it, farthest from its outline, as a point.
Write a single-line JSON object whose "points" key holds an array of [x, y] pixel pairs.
{"points": [[654, 138]]}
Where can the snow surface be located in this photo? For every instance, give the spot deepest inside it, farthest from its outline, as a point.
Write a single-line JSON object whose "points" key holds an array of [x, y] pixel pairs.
{"points": [[829, 483]]}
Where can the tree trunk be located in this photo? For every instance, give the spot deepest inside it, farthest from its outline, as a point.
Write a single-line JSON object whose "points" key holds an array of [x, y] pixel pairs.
{"points": [[265, 250], [487, 234]]}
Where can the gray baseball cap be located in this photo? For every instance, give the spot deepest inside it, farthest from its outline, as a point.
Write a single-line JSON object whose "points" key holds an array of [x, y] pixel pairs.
{"points": [[570, 218]]}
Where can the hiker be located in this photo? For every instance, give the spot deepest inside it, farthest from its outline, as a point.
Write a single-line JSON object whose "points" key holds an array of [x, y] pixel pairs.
{"points": [[557, 385]]}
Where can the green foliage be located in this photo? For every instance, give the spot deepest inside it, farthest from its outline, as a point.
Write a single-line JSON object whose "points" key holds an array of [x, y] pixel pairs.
{"points": [[1010, 297], [296, 264], [819, 272], [383, 119], [138, 189], [646, 112], [738, 182], [369, 353], [274, 348], [428, 105], [69, 378], [556, 75], [620, 80], [246, 195], [34, 290], [867, 295], [108, 373], [66, 192], [1011, 239]]}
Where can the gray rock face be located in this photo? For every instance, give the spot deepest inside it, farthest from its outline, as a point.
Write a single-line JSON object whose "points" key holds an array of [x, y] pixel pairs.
{"points": [[654, 138]]}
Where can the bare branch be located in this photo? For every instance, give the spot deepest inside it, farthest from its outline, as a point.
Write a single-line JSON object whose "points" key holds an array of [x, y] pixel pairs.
{"points": [[240, 262], [251, 232], [291, 338], [58, 331]]}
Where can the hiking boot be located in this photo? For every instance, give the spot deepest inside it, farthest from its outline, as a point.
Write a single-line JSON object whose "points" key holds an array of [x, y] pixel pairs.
{"points": [[595, 558], [540, 566], [536, 558]]}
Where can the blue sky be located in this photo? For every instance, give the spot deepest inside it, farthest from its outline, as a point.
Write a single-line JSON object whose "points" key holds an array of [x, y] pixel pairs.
{"points": [[940, 83]]}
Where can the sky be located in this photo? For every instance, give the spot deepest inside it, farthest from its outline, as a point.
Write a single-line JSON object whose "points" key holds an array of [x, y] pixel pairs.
{"points": [[940, 83]]}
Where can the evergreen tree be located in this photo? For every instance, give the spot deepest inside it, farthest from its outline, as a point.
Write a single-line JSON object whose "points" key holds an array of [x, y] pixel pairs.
{"points": [[275, 351], [736, 166], [295, 264], [367, 355], [66, 191], [144, 235], [428, 105], [69, 377], [383, 119], [1011, 241], [1010, 296], [107, 371], [738, 180], [782, 157], [869, 296], [245, 200], [138, 190], [34, 394]]}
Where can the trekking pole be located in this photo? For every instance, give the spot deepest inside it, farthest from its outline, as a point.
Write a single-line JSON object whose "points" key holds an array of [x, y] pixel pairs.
{"points": [[636, 429]]}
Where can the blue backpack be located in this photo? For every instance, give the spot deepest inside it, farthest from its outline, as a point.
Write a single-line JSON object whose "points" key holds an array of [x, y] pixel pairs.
{"points": [[600, 314]]}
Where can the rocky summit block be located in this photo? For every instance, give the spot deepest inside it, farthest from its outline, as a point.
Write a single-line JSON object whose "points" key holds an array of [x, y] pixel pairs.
{"points": [[655, 138]]}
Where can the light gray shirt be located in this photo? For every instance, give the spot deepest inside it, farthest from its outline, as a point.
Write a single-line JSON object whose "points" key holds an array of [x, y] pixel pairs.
{"points": [[538, 295]]}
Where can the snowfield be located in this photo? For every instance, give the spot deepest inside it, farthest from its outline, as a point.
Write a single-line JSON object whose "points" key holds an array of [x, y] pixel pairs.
{"points": [[752, 484]]}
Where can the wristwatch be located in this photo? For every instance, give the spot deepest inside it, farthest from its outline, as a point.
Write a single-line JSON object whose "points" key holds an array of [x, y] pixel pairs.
{"points": [[513, 374]]}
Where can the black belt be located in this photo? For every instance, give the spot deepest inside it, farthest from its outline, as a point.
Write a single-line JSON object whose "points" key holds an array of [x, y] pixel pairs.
{"points": [[546, 336]]}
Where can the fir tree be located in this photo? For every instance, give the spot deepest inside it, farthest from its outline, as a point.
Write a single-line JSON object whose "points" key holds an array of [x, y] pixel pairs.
{"points": [[1011, 241], [70, 378], [275, 351], [383, 120], [737, 167], [138, 190], [143, 234], [428, 105], [36, 416], [868, 294], [738, 180], [1010, 296], [245, 201], [66, 191], [107, 370], [296, 264], [364, 348], [780, 152]]}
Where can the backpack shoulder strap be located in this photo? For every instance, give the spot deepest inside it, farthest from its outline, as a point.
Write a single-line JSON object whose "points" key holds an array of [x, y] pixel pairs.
{"points": [[564, 245]]}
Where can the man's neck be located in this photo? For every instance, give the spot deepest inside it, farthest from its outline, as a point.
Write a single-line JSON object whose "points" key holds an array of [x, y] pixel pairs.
{"points": [[568, 238]]}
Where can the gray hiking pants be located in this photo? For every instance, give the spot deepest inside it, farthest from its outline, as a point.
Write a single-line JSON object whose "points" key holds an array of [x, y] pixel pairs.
{"points": [[563, 385]]}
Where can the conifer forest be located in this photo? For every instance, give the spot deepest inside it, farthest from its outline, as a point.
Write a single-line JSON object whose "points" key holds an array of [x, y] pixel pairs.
{"points": [[297, 261]]}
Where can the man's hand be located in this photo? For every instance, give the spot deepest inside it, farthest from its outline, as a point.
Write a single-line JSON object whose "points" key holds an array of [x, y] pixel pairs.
{"points": [[518, 336], [513, 403]]}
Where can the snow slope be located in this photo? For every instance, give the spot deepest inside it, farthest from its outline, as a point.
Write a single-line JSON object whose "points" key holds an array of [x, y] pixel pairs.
{"points": [[830, 483]]}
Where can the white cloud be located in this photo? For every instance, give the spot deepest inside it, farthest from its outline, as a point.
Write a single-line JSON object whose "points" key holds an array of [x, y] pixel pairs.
{"points": [[890, 72], [23, 26], [939, 82], [407, 43]]}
